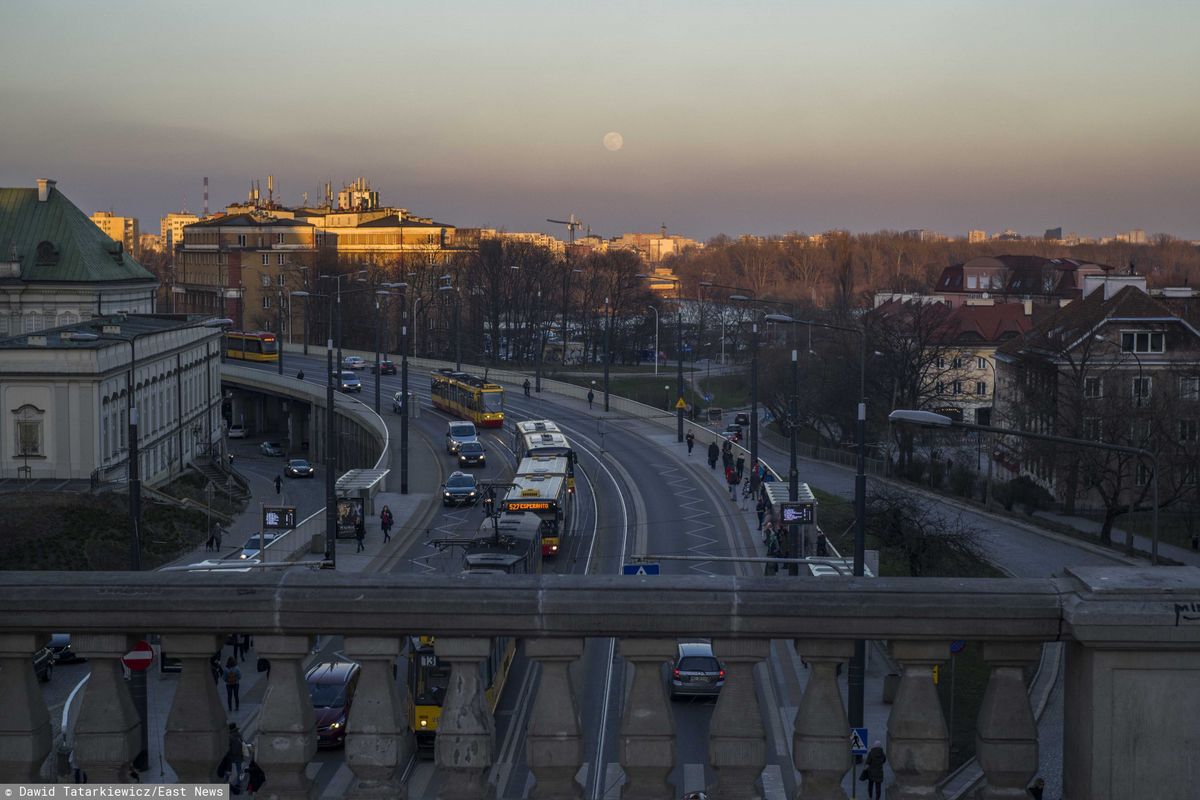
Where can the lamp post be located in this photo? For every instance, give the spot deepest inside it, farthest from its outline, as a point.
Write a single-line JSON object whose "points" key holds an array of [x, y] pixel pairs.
{"points": [[607, 343], [330, 437], [678, 346], [378, 326], [279, 329], [541, 344], [655, 310], [403, 384], [337, 278], [457, 322], [566, 296]]}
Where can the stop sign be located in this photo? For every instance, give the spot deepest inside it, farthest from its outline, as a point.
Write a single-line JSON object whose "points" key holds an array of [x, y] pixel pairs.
{"points": [[140, 657]]}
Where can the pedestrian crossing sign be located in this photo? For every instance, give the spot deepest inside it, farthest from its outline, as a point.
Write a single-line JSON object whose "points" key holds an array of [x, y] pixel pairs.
{"points": [[680, 405], [858, 741]]}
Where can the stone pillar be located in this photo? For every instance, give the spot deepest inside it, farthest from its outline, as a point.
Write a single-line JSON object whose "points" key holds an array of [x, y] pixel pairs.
{"points": [[820, 743], [1006, 741], [378, 741], [466, 736], [648, 728], [918, 745], [287, 729], [554, 740], [737, 740], [197, 736], [107, 730], [25, 736]]}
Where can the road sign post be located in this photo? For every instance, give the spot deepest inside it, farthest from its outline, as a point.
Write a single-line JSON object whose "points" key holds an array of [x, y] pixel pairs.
{"points": [[647, 568], [139, 658], [858, 748]]}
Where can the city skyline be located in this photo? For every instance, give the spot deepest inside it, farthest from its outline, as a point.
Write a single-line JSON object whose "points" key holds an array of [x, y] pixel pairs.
{"points": [[762, 120]]}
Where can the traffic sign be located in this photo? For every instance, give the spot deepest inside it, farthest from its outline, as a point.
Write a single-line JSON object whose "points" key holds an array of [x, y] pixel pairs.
{"points": [[679, 404], [957, 646], [140, 657], [707, 397], [648, 568], [858, 741]]}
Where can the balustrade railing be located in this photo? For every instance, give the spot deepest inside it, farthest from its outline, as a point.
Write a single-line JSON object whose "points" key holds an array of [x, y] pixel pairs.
{"points": [[1132, 638]]}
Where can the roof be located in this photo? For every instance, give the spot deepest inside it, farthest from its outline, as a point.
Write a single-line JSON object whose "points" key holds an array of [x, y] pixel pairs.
{"points": [[55, 242], [249, 220], [394, 221], [129, 325], [990, 324], [1023, 275]]}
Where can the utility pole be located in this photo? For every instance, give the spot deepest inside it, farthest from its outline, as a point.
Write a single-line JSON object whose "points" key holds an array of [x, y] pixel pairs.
{"points": [[607, 341], [679, 355], [279, 329]]}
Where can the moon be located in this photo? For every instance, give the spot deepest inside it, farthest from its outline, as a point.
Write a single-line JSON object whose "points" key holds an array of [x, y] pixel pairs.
{"points": [[613, 141]]}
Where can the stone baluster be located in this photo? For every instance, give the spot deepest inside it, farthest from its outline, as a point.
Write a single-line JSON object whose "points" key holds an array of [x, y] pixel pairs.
{"points": [[1005, 731], [197, 736], [820, 741], [287, 728], [918, 745], [554, 740], [107, 730], [466, 736], [378, 741], [737, 740], [648, 728], [25, 736]]}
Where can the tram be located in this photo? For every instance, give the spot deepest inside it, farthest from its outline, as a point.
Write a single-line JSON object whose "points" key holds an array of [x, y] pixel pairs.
{"points": [[468, 396], [251, 346]]}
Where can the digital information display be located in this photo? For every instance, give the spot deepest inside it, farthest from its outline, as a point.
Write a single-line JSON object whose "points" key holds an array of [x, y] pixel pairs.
{"points": [[796, 513], [279, 518]]}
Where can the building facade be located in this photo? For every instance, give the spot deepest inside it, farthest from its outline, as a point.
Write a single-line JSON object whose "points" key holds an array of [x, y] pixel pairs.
{"points": [[65, 398], [170, 229], [120, 229], [57, 267]]}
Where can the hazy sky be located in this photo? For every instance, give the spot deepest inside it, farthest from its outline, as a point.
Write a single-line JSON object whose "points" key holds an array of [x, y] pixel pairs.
{"points": [[746, 117]]}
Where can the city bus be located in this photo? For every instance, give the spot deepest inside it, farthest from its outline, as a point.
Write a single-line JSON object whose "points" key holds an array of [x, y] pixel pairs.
{"points": [[507, 543], [542, 437], [251, 346], [540, 487], [468, 396]]}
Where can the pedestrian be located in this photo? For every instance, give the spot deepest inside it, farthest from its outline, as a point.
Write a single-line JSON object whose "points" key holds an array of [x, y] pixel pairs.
{"points": [[385, 523], [822, 546], [525, 386], [211, 544], [236, 752], [300, 375], [231, 460], [255, 777], [214, 664], [1035, 791], [691, 441], [278, 485], [740, 466], [219, 533], [731, 479], [360, 535], [591, 397], [875, 761], [233, 684], [713, 454], [244, 645], [760, 508]]}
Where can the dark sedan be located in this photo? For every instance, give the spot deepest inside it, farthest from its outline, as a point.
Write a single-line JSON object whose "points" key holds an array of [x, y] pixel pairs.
{"points": [[384, 367], [299, 468], [471, 454], [331, 688], [60, 645], [460, 488]]}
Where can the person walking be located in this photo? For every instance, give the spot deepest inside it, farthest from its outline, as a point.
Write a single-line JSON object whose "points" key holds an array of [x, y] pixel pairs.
{"points": [[233, 685], [300, 375], [360, 536], [731, 479], [385, 523], [211, 544], [740, 466], [691, 441], [875, 761], [760, 508], [243, 644], [278, 485], [236, 753], [591, 398], [713, 454], [525, 386]]}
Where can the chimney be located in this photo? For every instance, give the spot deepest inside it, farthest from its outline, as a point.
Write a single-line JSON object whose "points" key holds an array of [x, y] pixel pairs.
{"points": [[44, 187]]}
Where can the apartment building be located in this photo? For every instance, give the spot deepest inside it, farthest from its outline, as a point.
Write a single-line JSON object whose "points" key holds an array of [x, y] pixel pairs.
{"points": [[120, 229], [170, 229]]}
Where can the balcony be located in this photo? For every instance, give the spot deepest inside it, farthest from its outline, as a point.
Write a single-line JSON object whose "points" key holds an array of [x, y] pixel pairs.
{"points": [[1132, 639]]}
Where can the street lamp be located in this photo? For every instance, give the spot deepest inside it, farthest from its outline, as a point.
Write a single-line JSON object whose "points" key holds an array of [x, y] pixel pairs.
{"points": [[655, 310], [567, 273], [378, 325], [403, 287], [337, 278], [457, 322], [678, 346], [929, 419]]}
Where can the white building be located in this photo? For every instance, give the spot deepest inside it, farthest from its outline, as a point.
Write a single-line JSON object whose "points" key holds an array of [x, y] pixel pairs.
{"points": [[64, 399]]}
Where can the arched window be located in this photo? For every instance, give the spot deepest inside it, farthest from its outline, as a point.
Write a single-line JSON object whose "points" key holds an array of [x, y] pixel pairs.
{"points": [[28, 431]]}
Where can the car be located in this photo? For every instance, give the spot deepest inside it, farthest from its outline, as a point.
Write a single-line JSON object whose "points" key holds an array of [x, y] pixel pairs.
{"points": [[696, 671], [60, 646], [299, 468], [384, 367], [459, 432], [347, 382], [741, 418], [471, 454], [733, 433], [398, 402], [354, 362], [460, 488], [331, 686], [237, 431], [43, 664], [271, 448], [251, 550]]}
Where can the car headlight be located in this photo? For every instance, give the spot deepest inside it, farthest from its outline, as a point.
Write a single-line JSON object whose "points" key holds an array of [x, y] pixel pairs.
{"points": [[424, 722], [335, 726], [472, 493], [445, 494]]}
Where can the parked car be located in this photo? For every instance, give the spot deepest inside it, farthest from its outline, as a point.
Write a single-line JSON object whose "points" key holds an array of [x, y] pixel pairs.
{"points": [[459, 432], [43, 664], [299, 468], [741, 418], [460, 488], [237, 432], [60, 646], [273, 449], [347, 382], [251, 550], [384, 367], [471, 454], [696, 671], [354, 362], [331, 687]]}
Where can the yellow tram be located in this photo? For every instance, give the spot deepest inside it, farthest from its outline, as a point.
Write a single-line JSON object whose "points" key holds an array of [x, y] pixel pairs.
{"points": [[468, 396]]}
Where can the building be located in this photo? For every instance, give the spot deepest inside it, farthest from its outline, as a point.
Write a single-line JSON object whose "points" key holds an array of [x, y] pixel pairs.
{"points": [[1053, 234], [244, 266], [171, 229], [1052, 281], [534, 238], [120, 229], [64, 400], [976, 236], [57, 267], [653, 248], [149, 242]]}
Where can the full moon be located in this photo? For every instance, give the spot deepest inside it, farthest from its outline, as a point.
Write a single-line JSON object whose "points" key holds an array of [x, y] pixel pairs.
{"points": [[613, 141]]}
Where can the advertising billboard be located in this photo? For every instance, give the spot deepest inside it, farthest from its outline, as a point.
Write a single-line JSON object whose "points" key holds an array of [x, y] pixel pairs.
{"points": [[349, 516]]}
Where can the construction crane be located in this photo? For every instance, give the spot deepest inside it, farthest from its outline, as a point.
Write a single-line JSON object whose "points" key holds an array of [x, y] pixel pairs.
{"points": [[571, 224]]}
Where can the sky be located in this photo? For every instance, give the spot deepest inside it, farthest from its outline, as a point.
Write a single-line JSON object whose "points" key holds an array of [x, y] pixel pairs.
{"points": [[747, 117]]}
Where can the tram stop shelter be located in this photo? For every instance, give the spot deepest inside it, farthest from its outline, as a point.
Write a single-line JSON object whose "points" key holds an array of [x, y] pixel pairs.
{"points": [[775, 496], [363, 484]]}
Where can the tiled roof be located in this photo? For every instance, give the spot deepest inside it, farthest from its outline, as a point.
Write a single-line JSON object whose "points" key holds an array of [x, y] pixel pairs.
{"points": [[55, 242], [990, 324], [249, 220]]}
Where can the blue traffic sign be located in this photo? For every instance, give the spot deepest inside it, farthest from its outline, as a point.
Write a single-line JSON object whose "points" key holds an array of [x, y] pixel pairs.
{"points": [[858, 741], [957, 646], [640, 569]]}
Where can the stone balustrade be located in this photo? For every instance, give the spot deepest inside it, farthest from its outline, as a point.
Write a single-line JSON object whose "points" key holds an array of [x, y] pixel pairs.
{"points": [[1132, 641]]}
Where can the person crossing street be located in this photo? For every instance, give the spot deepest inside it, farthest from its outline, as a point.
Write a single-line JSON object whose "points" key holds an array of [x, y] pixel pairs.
{"points": [[278, 485]]}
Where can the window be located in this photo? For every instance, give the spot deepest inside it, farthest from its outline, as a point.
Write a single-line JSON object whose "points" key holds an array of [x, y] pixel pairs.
{"points": [[266, 259], [1189, 477], [266, 279], [981, 363], [1189, 388], [320, 239], [956, 387], [981, 387], [1093, 388], [241, 240], [104, 438], [1139, 431], [281, 283], [279, 259], [279, 238], [941, 388], [972, 282], [1091, 428], [1142, 342], [1188, 430], [266, 301], [28, 431], [1142, 475], [957, 363], [1141, 389], [941, 363]]}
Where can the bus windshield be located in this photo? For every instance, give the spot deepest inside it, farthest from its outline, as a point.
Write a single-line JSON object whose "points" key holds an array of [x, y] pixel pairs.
{"points": [[431, 682], [269, 346]]}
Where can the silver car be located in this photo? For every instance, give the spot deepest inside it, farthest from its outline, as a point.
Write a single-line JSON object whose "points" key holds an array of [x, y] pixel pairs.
{"points": [[696, 671], [459, 432]]}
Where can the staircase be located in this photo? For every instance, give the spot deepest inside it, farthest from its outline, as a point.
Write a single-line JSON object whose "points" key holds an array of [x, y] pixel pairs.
{"points": [[220, 478]]}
